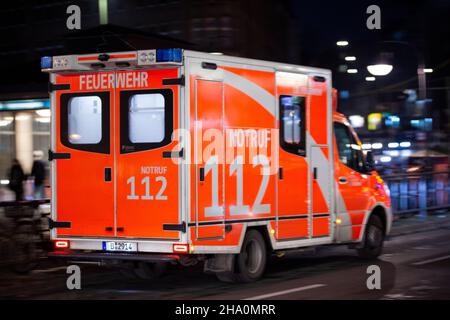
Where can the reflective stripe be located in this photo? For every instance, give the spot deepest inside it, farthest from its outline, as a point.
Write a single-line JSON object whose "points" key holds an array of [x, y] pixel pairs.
{"points": [[266, 100], [260, 95]]}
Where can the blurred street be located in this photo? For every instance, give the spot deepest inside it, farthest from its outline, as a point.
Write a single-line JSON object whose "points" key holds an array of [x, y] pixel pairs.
{"points": [[415, 265]]}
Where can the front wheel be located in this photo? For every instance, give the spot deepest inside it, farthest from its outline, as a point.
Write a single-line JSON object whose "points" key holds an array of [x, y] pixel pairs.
{"points": [[373, 239]]}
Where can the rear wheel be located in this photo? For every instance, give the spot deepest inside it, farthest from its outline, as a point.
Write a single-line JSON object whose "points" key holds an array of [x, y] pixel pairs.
{"points": [[251, 262], [373, 239]]}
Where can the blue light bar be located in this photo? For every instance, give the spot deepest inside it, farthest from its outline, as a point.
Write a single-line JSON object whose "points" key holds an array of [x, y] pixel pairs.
{"points": [[46, 63], [168, 55]]}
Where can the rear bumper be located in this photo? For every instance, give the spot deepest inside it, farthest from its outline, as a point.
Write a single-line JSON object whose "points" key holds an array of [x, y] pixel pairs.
{"points": [[103, 256]]}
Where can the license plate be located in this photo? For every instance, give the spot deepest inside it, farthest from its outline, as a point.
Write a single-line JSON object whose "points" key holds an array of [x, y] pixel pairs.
{"points": [[119, 246]]}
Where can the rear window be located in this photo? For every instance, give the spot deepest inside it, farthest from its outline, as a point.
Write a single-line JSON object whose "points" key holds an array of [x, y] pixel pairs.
{"points": [[146, 118], [85, 120]]}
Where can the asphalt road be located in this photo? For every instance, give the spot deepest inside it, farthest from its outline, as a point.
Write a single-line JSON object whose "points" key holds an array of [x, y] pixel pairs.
{"points": [[415, 265]]}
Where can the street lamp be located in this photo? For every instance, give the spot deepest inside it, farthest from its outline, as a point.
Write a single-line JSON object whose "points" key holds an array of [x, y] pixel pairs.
{"points": [[342, 43], [385, 68], [381, 69]]}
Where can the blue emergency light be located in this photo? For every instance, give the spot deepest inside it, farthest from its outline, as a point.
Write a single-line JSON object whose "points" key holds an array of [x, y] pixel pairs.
{"points": [[46, 62], [168, 55]]}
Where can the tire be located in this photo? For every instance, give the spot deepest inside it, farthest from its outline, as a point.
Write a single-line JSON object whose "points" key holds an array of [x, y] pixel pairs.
{"points": [[373, 239], [251, 262], [149, 271]]}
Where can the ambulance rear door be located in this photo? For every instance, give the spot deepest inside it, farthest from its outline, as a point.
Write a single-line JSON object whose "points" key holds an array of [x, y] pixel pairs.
{"points": [[147, 167], [82, 154]]}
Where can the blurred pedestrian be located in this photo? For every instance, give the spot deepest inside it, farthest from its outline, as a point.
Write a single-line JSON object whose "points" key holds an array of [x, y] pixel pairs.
{"points": [[38, 173], [16, 178]]}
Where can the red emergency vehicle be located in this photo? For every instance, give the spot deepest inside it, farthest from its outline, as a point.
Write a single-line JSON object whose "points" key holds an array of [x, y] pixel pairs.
{"points": [[175, 156]]}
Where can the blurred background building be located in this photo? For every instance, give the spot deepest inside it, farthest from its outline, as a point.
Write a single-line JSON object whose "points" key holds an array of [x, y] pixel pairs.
{"points": [[391, 115], [31, 29]]}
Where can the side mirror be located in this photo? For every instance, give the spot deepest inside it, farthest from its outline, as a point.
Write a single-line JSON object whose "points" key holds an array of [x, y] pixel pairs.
{"points": [[370, 162]]}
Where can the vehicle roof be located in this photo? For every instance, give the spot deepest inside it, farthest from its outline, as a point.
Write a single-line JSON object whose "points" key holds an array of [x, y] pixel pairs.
{"points": [[279, 66]]}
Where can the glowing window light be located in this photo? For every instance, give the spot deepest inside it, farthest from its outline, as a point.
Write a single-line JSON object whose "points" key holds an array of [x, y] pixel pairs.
{"points": [[377, 145], [393, 153], [406, 153], [42, 120], [43, 112], [356, 121], [393, 145], [405, 144], [374, 121]]}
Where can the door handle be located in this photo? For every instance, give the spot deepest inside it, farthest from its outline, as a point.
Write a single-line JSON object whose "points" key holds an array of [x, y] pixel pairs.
{"points": [[108, 175], [202, 174], [173, 154], [342, 180], [315, 173]]}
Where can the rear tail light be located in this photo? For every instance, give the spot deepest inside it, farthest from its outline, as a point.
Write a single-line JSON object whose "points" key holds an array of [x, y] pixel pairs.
{"points": [[62, 244], [180, 248]]}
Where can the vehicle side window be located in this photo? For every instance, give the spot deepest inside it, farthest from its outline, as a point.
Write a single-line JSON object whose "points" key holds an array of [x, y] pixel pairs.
{"points": [[146, 119], [349, 151], [293, 124]]}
